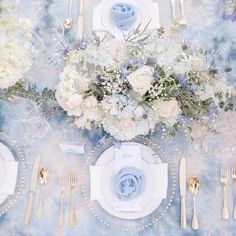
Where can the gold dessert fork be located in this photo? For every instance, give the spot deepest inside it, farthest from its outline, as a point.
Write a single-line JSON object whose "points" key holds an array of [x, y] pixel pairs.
{"points": [[223, 180], [73, 183], [233, 175], [63, 184]]}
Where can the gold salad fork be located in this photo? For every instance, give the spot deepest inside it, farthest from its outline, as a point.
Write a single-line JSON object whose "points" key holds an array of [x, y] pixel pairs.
{"points": [[73, 183], [223, 181], [233, 175], [63, 185]]}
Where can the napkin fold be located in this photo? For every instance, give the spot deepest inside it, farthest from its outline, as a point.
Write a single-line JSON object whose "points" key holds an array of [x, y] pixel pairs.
{"points": [[159, 186], [123, 15], [9, 183]]}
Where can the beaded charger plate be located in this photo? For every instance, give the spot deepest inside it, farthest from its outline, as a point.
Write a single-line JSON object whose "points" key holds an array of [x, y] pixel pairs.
{"points": [[123, 224], [19, 156]]}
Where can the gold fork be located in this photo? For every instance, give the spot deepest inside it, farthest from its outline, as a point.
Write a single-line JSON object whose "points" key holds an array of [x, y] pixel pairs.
{"points": [[73, 183], [223, 180], [233, 175], [63, 184]]}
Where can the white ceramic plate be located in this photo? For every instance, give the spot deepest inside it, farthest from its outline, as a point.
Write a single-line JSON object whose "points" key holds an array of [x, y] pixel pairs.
{"points": [[146, 10], [149, 205], [6, 155], [2, 170]]}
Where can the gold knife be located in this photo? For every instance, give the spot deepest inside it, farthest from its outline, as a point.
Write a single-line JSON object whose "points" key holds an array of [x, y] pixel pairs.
{"points": [[182, 187], [34, 178], [80, 26]]}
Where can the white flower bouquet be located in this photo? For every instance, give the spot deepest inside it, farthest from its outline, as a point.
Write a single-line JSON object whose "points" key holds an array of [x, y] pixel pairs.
{"points": [[128, 87], [14, 55]]}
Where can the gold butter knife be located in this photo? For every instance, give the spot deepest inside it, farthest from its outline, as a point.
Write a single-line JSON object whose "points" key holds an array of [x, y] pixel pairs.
{"points": [[34, 178], [182, 187], [80, 29]]}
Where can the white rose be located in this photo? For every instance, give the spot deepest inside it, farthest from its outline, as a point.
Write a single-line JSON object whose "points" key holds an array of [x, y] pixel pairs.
{"points": [[91, 109], [74, 104], [141, 79], [115, 48], [166, 111], [69, 72]]}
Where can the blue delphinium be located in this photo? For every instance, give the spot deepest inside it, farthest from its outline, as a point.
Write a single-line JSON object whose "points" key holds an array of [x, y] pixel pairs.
{"points": [[232, 17], [133, 61], [192, 88], [182, 80], [212, 110], [182, 119]]}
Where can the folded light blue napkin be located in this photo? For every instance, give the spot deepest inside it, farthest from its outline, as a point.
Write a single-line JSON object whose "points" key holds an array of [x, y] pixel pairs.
{"points": [[123, 15], [129, 183]]}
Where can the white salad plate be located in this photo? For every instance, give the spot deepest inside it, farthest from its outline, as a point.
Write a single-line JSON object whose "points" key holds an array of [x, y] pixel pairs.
{"points": [[147, 10], [148, 204]]}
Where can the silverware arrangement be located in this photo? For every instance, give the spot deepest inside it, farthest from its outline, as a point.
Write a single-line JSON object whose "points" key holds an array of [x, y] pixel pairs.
{"points": [[182, 21], [194, 185], [65, 184], [68, 22], [33, 184], [224, 180], [43, 179], [182, 185], [41, 175]]}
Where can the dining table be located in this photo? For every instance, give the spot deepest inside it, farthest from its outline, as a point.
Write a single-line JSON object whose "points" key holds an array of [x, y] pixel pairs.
{"points": [[34, 130]]}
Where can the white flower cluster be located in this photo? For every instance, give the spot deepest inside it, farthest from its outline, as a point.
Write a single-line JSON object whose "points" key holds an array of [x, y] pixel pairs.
{"points": [[118, 85], [14, 56], [121, 116]]}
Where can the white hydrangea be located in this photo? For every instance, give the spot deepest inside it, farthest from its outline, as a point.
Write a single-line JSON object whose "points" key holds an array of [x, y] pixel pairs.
{"points": [[128, 122], [15, 57]]}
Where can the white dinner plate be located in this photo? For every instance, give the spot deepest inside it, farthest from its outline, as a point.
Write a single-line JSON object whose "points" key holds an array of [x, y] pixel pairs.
{"points": [[146, 10], [2, 170], [6, 155], [150, 204]]}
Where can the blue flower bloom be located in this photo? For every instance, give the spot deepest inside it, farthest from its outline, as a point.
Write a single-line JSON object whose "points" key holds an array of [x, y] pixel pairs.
{"points": [[232, 17], [192, 88], [182, 119], [212, 110], [182, 80], [98, 77]]}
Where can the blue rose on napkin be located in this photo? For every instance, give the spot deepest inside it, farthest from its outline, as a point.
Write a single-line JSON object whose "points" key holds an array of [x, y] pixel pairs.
{"points": [[129, 182], [123, 15]]}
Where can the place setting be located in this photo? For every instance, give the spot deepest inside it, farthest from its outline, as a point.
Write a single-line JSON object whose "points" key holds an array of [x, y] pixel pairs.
{"points": [[129, 183], [125, 125]]}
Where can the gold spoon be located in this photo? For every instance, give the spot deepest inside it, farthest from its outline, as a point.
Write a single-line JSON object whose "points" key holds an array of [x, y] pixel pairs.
{"points": [[194, 185], [43, 180], [68, 21]]}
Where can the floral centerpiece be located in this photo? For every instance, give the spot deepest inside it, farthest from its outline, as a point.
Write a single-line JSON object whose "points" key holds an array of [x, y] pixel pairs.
{"points": [[129, 86], [14, 55]]}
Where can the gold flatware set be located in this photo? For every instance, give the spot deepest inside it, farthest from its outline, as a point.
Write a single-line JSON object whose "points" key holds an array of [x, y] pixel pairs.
{"points": [[68, 22], [182, 21], [42, 176], [194, 186], [224, 180]]}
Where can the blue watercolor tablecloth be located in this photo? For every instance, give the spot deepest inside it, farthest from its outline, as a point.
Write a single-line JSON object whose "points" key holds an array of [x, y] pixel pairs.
{"points": [[209, 26]]}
